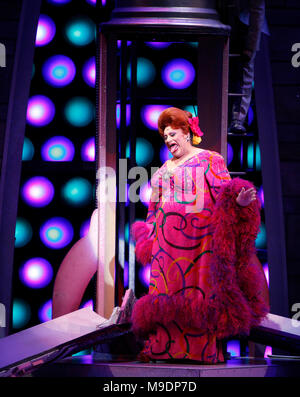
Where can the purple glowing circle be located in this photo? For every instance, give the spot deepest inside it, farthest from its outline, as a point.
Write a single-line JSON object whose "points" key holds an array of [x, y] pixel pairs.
{"points": [[59, 2], [88, 304], [178, 74], [126, 274], [36, 273], [88, 150], [40, 111], [85, 227], [158, 44], [165, 154], [118, 115], [45, 30], [37, 191], [261, 196], [45, 311], [144, 275], [93, 2], [89, 72], [268, 351], [233, 347], [56, 233], [150, 115], [59, 70], [145, 193], [58, 148], [266, 271], [229, 153]]}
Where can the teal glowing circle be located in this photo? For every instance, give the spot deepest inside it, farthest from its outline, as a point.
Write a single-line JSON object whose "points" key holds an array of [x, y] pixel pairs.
{"points": [[23, 232], [144, 152], [261, 240], [191, 109], [79, 111], [21, 313], [250, 156], [146, 72], [126, 232], [80, 31], [258, 157], [28, 150], [77, 192]]}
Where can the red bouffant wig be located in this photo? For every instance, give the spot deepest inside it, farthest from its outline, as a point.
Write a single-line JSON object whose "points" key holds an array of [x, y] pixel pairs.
{"points": [[174, 117]]}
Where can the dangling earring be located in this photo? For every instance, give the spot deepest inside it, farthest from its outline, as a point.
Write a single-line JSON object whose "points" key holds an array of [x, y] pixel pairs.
{"points": [[188, 138]]}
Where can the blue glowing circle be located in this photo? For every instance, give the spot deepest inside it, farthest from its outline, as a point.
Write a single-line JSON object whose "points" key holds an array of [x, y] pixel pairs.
{"points": [[178, 74], [45, 311], [58, 148], [56, 233], [59, 70]]}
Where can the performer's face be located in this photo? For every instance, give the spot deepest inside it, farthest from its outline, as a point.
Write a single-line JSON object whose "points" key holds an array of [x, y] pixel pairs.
{"points": [[176, 141]]}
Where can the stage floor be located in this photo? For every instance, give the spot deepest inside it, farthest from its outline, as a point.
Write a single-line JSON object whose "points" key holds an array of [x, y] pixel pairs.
{"points": [[94, 366]]}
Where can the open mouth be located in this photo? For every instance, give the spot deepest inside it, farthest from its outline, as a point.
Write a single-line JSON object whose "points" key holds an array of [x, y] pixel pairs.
{"points": [[173, 147]]}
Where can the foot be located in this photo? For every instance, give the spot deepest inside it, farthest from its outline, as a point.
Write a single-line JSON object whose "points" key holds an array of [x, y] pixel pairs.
{"points": [[237, 127]]}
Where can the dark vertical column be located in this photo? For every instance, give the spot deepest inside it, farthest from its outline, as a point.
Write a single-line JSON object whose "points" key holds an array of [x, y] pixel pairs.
{"points": [[132, 161], [270, 166], [122, 168], [12, 154], [106, 114], [212, 75]]}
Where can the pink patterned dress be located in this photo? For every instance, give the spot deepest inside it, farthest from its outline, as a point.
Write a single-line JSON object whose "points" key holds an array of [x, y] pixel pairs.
{"points": [[204, 285], [182, 249]]}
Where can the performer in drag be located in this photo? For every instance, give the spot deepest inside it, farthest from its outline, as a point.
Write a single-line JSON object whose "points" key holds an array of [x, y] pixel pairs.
{"points": [[206, 281]]}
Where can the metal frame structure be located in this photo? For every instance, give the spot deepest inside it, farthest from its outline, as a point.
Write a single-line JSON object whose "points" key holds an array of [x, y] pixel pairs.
{"points": [[164, 22]]}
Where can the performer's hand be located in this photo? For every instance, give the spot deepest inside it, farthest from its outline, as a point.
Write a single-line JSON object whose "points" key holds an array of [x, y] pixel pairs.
{"points": [[245, 197]]}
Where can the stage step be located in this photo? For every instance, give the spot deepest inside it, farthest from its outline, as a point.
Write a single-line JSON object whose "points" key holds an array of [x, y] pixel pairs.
{"points": [[90, 366]]}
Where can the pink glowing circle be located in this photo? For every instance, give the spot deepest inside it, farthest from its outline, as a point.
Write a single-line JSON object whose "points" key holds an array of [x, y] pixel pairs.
{"points": [[40, 111], [150, 115], [89, 72], [37, 191], [45, 31], [88, 150], [36, 273]]}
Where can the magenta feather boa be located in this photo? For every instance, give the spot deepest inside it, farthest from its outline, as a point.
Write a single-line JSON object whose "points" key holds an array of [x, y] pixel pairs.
{"points": [[236, 304]]}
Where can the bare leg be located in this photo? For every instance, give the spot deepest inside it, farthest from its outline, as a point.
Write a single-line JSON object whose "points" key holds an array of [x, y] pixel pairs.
{"points": [[75, 273]]}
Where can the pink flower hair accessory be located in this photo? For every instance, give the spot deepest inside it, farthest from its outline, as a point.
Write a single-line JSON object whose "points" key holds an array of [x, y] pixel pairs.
{"points": [[194, 125]]}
